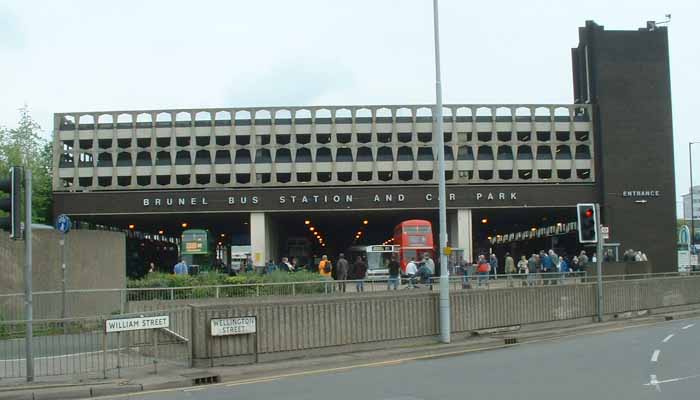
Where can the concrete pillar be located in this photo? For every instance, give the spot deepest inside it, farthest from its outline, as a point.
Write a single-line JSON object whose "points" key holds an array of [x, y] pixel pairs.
{"points": [[259, 238], [272, 238], [459, 226]]}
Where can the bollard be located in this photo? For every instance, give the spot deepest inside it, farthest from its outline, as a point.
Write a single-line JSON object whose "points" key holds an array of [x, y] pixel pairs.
{"points": [[104, 356], [155, 351], [119, 355], [122, 301]]}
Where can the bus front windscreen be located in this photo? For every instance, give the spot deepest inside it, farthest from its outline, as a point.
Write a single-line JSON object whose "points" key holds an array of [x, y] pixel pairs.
{"points": [[378, 260]]}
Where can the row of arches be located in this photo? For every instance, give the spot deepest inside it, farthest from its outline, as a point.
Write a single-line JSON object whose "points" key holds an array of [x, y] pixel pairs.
{"points": [[213, 116], [324, 154], [326, 138], [324, 177]]}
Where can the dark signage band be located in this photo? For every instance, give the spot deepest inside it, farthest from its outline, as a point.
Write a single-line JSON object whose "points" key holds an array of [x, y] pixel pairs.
{"points": [[336, 198]]}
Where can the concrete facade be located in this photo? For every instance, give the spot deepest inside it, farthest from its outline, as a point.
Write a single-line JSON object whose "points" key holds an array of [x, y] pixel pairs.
{"points": [[94, 259], [322, 146], [613, 145], [626, 76]]}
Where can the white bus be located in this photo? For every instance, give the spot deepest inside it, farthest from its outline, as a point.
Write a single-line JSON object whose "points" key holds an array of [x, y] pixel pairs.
{"points": [[378, 258]]}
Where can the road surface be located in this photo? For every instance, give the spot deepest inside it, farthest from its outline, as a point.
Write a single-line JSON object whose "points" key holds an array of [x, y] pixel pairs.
{"points": [[650, 362]]}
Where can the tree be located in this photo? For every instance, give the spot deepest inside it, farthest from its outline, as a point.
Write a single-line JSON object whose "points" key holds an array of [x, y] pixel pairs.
{"points": [[24, 146]]}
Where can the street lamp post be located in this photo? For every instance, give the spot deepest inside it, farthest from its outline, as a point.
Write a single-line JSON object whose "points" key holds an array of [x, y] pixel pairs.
{"points": [[692, 205], [444, 274]]}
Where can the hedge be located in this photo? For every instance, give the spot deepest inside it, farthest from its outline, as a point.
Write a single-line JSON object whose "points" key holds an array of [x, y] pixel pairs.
{"points": [[243, 285]]}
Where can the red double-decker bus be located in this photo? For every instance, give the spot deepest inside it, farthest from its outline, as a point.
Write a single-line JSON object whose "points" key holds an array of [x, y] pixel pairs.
{"points": [[414, 238]]}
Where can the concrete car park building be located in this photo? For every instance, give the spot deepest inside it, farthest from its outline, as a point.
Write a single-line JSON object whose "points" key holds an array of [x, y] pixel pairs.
{"points": [[259, 172]]}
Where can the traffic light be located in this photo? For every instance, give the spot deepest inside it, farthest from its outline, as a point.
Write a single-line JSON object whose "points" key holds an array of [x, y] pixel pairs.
{"points": [[587, 223], [12, 205]]}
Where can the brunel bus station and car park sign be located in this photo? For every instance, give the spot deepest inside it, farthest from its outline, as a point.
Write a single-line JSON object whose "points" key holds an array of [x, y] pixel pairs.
{"points": [[334, 198]]}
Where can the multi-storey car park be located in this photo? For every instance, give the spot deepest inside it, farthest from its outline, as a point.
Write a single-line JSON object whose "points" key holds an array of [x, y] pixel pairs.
{"points": [[514, 172]]}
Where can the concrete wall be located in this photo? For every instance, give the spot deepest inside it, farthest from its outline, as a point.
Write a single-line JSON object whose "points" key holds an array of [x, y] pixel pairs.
{"points": [[622, 268], [94, 259], [296, 326], [627, 74]]}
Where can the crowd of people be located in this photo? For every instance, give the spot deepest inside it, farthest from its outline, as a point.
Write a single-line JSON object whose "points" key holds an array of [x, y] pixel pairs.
{"points": [[634, 256], [417, 270], [544, 266], [488, 267]]}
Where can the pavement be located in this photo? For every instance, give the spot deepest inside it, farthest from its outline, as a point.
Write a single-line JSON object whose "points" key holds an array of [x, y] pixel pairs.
{"points": [[617, 358]]}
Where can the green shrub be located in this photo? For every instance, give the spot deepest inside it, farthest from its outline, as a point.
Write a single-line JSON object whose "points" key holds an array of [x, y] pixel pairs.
{"points": [[244, 285]]}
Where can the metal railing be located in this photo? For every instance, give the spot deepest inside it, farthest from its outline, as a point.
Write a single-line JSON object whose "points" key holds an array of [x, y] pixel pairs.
{"points": [[47, 304], [80, 346]]}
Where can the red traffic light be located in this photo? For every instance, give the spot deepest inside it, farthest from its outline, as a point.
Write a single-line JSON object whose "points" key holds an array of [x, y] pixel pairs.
{"points": [[588, 213]]}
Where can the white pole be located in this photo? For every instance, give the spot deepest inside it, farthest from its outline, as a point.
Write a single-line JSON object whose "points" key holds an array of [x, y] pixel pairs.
{"points": [[440, 143], [29, 311]]}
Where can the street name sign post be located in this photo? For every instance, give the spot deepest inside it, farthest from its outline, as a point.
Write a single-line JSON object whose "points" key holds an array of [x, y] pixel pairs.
{"points": [[119, 325], [63, 225], [247, 325], [233, 326]]}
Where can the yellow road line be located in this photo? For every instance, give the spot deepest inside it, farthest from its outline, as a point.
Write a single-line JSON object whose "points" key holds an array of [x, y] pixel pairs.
{"points": [[383, 363]]}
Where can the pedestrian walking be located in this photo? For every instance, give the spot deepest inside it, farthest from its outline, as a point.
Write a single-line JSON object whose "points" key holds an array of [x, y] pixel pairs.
{"points": [[270, 267], [509, 268], [429, 263], [425, 274], [325, 267], [523, 269], [465, 267], [394, 273], [582, 260], [483, 268], [493, 262], [181, 268], [286, 265], [411, 271], [359, 272], [563, 270], [547, 266], [532, 267], [341, 271]]}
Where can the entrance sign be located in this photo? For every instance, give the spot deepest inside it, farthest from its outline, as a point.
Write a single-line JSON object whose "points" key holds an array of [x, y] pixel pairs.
{"points": [[233, 326], [136, 324]]}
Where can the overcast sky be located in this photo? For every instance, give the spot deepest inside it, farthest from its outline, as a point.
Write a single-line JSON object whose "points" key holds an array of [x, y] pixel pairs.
{"points": [[59, 56]]}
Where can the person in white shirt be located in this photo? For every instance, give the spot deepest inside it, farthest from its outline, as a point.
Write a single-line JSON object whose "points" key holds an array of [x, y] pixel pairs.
{"points": [[411, 271]]}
